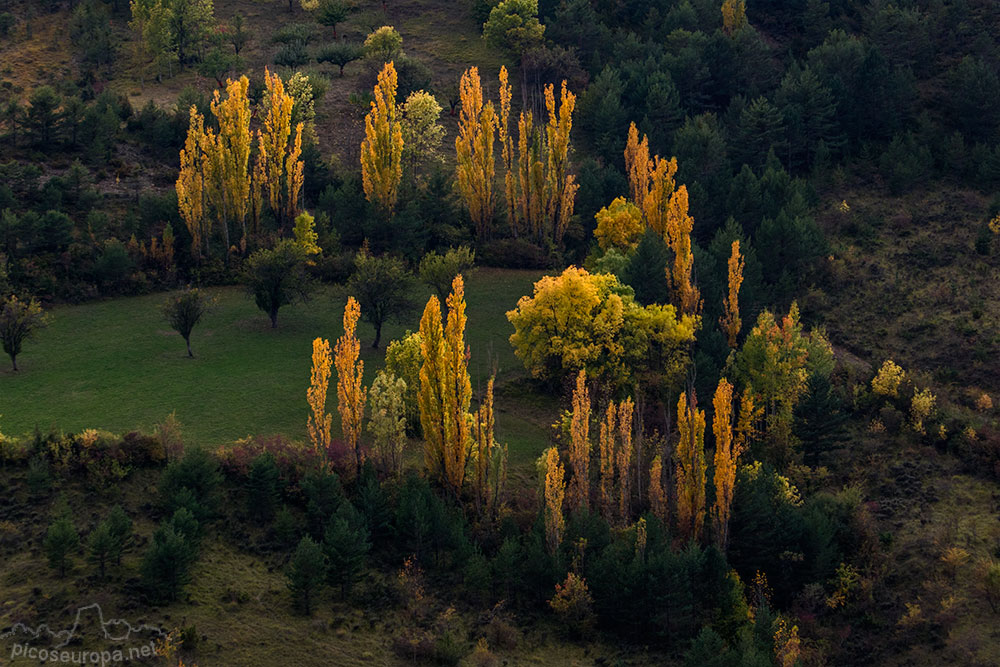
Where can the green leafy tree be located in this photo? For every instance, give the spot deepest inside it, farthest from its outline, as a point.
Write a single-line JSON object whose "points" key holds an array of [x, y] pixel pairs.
{"points": [[385, 43], [403, 360], [19, 320], [184, 311], [61, 541], [306, 574], [439, 270], [513, 25], [239, 34], [277, 278], [388, 422], [340, 54], [383, 286], [190, 21], [219, 64], [422, 133]]}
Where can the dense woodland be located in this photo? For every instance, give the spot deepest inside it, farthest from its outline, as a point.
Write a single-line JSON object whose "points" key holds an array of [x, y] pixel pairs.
{"points": [[735, 469]]}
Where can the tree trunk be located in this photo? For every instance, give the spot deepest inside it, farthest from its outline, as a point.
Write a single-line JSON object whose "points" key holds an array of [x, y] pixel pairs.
{"points": [[378, 335], [13, 360], [188, 341], [274, 317]]}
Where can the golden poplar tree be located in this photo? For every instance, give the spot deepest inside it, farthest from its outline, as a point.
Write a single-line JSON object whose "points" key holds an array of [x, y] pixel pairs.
{"points": [[351, 393], [690, 470], [734, 16], [730, 319], [657, 490], [560, 185], [608, 463], [382, 147], [624, 459], [579, 449], [656, 202], [227, 158], [727, 456], [191, 184], [507, 152], [320, 421], [486, 447], [475, 165], [637, 166], [279, 169], [530, 176], [555, 490], [445, 389]]}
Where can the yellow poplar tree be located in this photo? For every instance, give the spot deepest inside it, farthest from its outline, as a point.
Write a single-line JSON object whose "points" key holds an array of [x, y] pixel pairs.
{"points": [[734, 16], [485, 448], [624, 458], [690, 473], [319, 421], [560, 185], [727, 455], [657, 490], [637, 166], [351, 393], [730, 319], [579, 449], [507, 152], [445, 389], [679, 226], [555, 490], [475, 165], [382, 147], [530, 176], [279, 170], [191, 184], [656, 202], [227, 158], [608, 461]]}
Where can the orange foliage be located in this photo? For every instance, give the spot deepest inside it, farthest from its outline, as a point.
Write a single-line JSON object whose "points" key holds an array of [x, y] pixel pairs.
{"points": [[351, 394]]}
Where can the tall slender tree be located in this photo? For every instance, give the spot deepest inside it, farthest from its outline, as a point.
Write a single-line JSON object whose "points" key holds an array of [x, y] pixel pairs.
{"points": [[475, 164], [319, 422], [555, 491], [351, 393], [624, 459], [690, 475], [507, 152], [279, 171], [190, 184], [579, 449], [730, 319], [727, 456], [382, 147]]}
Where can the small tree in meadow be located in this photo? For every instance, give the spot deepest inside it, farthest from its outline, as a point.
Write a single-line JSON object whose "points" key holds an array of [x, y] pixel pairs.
{"points": [[184, 311], [19, 320]]}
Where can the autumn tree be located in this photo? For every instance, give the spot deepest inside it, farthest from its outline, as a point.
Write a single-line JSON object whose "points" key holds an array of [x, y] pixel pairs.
{"points": [[657, 490], [422, 133], [619, 225], [190, 184], [19, 320], [279, 170], [507, 153], [445, 389], [623, 459], [727, 455], [387, 425], [582, 320], [319, 422], [734, 16], [579, 448], [690, 472], [351, 393], [475, 164], [183, 311], [730, 319], [637, 166], [555, 490], [607, 453], [382, 147], [490, 457]]}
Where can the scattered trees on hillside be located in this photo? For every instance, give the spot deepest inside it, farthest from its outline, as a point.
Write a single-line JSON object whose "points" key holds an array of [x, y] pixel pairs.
{"points": [[19, 320]]}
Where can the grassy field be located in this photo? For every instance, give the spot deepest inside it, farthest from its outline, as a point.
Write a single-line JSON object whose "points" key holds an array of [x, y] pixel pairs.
{"points": [[116, 365]]}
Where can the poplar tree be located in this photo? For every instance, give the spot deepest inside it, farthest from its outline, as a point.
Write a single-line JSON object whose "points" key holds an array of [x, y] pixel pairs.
{"points": [[657, 491], [507, 152], [227, 158], [382, 147], [555, 490], [730, 319], [190, 184], [279, 170], [319, 422], [475, 166], [690, 474], [727, 455], [351, 393], [607, 451], [624, 459], [579, 450]]}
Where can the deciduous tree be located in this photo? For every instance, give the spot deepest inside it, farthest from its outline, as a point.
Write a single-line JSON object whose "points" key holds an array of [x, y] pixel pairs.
{"points": [[351, 393], [475, 164], [579, 448], [319, 422], [727, 455], [184, 311], [280, 169], [19, 320], [383, 286], [388, 422], [730, 319], [277, 277], [382, 147], [439, 270], [555, 490], [690, 473]]}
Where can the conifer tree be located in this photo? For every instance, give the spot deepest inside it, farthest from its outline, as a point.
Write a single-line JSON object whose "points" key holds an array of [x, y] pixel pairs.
{"points": [[382, 147], [351, 393], [690, 474], [474, 152]]}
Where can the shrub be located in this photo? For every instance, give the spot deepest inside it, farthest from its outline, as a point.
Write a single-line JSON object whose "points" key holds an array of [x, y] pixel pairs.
{"points": [[514, 254], [888, 379], [573, 604]]}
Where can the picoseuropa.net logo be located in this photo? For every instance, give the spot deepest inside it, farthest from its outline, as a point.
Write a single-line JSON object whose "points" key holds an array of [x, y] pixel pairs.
{"points": [[92, 640]]}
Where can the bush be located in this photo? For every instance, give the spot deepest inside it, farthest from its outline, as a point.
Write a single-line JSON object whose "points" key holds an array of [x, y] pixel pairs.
{"points": [[514, 254], [194, 478], [292, 55]]}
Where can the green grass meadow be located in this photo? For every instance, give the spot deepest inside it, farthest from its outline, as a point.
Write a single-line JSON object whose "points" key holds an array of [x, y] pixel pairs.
{"points": [[117, 365]]}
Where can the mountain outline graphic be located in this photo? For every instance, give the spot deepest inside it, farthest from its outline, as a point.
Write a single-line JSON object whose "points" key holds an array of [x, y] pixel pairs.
{"points": [[117, 630]]}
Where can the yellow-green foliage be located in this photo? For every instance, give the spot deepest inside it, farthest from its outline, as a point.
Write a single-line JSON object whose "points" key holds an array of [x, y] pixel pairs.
{"points": [[888, 379], [921, 408], [619, 225], [581, 320]]}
